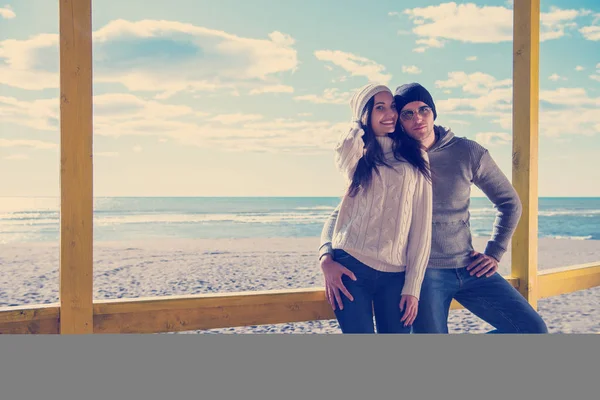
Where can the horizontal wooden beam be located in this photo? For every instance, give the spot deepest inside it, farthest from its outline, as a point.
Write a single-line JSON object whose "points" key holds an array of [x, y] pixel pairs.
{"points": [[211, 311], [569, 279], [34, 319], [183, 313]]}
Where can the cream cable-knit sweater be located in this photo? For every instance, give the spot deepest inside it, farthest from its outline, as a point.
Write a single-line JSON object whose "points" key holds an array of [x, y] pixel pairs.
{"points": [[388, 226]]}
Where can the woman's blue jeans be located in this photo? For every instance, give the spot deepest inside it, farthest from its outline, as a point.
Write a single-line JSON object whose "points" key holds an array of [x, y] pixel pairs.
{"points": [[375, 293]]}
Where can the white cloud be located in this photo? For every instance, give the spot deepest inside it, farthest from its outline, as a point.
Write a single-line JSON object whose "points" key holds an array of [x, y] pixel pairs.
{"points": [[493, 138], [412, 69], [355, 65], [471, 23], [556, 77], [563, 111], [7, 13], [232, 119], [431, 42], [472, 58], [40, 114], [579, 68], [596, 77], [592, 32], [17, 157], [35, 144], [475, 83], [107, 154], [157, 56], [137, 149], [118, 115], [329, 96], [272, 89], [571, 97]]}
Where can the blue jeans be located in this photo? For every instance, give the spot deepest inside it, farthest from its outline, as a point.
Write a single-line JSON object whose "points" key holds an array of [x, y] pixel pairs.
{"points": [[374, 292], [492, 299]]}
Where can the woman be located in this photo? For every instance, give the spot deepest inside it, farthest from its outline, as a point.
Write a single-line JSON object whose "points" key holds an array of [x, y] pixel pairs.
{"points": [[382, 236]]}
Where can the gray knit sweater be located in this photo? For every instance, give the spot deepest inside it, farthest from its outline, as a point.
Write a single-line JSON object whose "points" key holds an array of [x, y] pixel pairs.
{"points": [[457, 163]]}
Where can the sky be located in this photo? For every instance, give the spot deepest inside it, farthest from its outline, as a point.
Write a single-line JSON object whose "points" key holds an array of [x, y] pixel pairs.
{"points": [[247, 98]]}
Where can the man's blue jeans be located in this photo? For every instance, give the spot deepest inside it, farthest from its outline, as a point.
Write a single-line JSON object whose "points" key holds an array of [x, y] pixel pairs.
{"points": [[374, 292], [492, 299]]}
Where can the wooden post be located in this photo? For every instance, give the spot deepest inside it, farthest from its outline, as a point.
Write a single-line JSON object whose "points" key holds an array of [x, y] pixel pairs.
{"points": [[76, 175], [526, 43]]}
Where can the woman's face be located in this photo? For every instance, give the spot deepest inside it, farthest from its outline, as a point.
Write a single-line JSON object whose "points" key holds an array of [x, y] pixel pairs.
{"points": [[384, 116]]}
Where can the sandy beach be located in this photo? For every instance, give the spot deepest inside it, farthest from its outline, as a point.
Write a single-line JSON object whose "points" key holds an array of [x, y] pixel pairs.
{"points": [[175, 267]]}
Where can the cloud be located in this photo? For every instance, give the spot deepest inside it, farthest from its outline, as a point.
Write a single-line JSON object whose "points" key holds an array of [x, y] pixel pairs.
{"points": [[40, 114], [596, 77], [472, 58], [475, 83], [17, 157], [158, 56], [119, 115], [493, 138], [579, 68], [272, 89], [35, 144], [556, 77], [459, 122], [355, 65], [137, 149], [7, 13], [570, 97], [234, 119], [412, 69], [329, 96], [470, 23], [107, 154], [592, 32], [563, 111]]}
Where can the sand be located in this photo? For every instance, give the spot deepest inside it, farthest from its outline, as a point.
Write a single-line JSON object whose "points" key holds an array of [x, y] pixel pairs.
{"points": [[175, 267]]}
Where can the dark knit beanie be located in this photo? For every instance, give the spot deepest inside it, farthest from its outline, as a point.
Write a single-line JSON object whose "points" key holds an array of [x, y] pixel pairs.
{"points": [[413, 92]]}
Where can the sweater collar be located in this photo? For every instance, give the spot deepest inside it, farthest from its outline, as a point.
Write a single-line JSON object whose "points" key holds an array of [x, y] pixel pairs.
{"points": [[386, 142]]}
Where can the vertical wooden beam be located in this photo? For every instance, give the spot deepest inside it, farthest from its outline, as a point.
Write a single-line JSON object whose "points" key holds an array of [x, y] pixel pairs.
{"points": [[76, 175], [526, 43]]}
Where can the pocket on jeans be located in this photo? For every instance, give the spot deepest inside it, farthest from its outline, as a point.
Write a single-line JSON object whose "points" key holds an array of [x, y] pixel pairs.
{"points": [[341, 255], [452, 238]]}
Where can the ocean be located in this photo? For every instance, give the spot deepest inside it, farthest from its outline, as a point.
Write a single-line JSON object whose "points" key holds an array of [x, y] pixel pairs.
{"points": [[36, 219]]}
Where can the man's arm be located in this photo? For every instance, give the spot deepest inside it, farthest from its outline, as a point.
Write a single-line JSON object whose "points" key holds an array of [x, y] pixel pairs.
{"points": [[491, 180], [327, 233]]}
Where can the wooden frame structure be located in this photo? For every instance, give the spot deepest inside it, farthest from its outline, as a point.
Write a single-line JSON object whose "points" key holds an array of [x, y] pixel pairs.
{"points": [[77, 313]]}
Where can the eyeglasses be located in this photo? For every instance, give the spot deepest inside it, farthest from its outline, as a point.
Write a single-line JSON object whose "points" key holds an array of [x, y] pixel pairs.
{"points": [[408, 115]]}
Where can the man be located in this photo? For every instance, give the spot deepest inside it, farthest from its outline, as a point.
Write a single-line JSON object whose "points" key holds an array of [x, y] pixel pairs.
{"points": [[455, 269]]}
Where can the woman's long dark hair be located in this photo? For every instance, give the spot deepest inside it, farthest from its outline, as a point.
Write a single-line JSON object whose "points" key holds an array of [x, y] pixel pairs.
{"points": [[403, 147]]}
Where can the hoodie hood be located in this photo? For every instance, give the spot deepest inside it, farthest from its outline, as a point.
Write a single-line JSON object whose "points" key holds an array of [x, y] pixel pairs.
{"points": [[443, 138]]}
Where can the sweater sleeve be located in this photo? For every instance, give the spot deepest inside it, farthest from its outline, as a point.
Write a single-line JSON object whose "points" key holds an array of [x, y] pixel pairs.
{"points": [[419, 237], [496, 186], [349, 150], [327, 233]]}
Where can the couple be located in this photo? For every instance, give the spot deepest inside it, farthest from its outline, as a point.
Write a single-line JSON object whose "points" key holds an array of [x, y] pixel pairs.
{"points": [[398, 247]]}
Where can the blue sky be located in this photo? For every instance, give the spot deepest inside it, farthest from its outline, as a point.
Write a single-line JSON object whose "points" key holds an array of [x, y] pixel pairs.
{"points": [[236, 98]]}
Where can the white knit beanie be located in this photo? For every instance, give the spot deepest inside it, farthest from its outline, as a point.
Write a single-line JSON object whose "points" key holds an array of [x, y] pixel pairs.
{"points": [[361, 97]]}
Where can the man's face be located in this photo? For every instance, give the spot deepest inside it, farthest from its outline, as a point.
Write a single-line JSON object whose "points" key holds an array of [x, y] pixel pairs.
{"points": [[417, 120]]}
